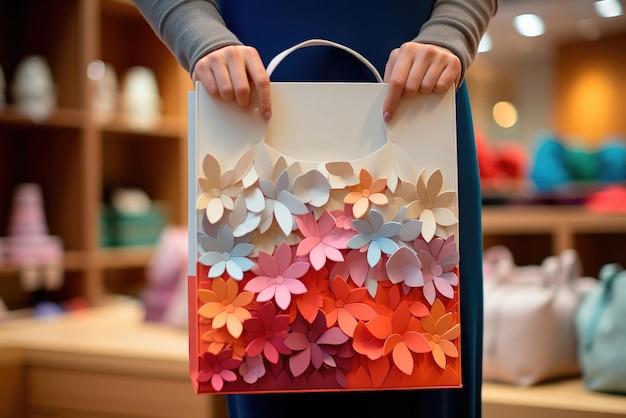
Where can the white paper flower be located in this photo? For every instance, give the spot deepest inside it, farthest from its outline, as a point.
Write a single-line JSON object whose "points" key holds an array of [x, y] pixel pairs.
{"points": [[223, 253], [433, 206], [375, 234], [219, 190]]}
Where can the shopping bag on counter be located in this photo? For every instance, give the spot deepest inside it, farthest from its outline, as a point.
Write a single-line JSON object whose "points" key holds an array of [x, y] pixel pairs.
{"points": [[529, 334], [601, 329], [323, 244]]}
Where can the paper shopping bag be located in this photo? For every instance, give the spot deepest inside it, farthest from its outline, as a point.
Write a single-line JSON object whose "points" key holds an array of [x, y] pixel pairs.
{"points": [[323, 244]]}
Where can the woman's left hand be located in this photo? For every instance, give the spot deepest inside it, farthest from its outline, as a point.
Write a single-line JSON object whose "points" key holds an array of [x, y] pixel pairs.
{"points": [[418, 68]]}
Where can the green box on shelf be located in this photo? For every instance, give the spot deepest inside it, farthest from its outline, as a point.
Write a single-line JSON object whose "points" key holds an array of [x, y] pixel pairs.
{"points": [[122, 229]]}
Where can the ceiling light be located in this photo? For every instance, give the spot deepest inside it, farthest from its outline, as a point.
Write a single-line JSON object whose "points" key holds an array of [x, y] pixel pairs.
{"points": [[608, 8], [485, 43], [529, 25]]}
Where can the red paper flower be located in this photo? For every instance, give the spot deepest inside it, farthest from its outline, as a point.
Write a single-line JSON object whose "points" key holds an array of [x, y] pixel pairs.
{"points": [[266, 332], [217, 369], [347, 307], [398, 335]]}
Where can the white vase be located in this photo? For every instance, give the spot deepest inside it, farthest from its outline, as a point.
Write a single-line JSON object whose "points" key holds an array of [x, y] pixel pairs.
{"points": [[33, 89], [140, 98]]}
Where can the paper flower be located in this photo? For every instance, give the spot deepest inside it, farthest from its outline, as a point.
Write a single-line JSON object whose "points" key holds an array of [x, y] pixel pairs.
{"points": [[309, 342], [219, 190], [222, 254], [368, 192], [341, 174], [270, 239], [241, 220], [438, 258], [308, 304], [343, 219], [280, 203], [440, 332], [322, 239], [405, 267], [225, 305], [433, 207], [217, 369], [220, 339], [397, 335], [375, 234], [347, 307], [252, 369], [357, 269], [312, 188], [265, 333], [277, 277]]}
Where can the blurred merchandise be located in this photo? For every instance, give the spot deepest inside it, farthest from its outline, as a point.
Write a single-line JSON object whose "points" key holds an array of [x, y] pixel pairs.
{"points": [[611, 199], [103, 79], [131, 219], [612, 161], [29, 247], [140, 98], [529, 334], [601, 328], [33, 90], [165, 296], [549, 169]]}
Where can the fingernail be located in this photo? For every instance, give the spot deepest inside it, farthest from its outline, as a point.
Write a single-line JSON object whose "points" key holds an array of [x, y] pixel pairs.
{"points": [[267, 116], [387, 116]]}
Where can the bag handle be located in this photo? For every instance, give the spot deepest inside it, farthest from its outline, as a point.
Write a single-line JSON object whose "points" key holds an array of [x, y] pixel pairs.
{"points": [[320, 42]]}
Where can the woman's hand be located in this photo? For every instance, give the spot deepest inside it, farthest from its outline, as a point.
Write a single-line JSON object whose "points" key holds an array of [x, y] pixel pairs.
{"points": [[418, 68], [236, 72]]}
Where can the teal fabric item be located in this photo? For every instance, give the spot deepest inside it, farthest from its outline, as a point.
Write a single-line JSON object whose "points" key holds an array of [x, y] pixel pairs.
{"points": [[601, 328], [549, 170], [612, 161]]}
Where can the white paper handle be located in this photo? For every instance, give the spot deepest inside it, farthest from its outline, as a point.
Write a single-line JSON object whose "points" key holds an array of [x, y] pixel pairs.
{"points": [[321, 42]]}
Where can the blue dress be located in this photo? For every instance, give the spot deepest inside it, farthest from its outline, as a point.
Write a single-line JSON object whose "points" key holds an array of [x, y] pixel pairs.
{"points": [[374, 29]]}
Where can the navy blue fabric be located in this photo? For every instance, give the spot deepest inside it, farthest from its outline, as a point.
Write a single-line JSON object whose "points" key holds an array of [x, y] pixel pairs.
{"points": [[372, 28]]}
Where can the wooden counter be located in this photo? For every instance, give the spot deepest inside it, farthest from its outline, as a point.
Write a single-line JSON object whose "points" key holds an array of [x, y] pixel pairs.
{"points": [[108, 363], [105, 362]]}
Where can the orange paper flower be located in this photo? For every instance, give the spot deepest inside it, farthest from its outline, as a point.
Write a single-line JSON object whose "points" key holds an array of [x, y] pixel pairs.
{"points": [[368, 191], [440, 332], [225, 305]]}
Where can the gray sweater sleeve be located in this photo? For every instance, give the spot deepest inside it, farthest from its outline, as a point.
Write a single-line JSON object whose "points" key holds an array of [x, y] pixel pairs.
{"points": [[458, 25], [193, 28]]}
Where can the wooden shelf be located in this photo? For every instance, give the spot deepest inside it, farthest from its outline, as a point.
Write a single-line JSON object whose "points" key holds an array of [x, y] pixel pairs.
{"points": [[561, 399], [535, 232], [75, 159]]}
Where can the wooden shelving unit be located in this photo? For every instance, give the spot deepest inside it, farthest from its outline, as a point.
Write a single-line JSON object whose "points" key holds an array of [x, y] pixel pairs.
{"points": [[535, 232], [74, 159]]}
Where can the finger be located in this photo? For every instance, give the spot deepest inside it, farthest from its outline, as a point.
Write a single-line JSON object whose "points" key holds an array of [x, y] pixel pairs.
{"points": [[203, 73], [395, 77], [238, 75], [259, 78]]}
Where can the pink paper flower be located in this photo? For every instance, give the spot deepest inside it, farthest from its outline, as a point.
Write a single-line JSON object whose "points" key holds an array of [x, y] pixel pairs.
{"points": [[322, 239], [252, 369], [311, 342], [266, 332], [439, 258], [217, 369], [359, 271], [277, 277]]}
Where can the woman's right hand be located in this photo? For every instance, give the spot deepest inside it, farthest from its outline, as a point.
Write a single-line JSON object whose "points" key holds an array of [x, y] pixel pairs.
{"points": [[236, 72]]}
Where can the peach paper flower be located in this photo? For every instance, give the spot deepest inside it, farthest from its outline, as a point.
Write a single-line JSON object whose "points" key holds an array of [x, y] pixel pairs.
{"points": [[440, 332], [369, 191], [225, 305]]}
